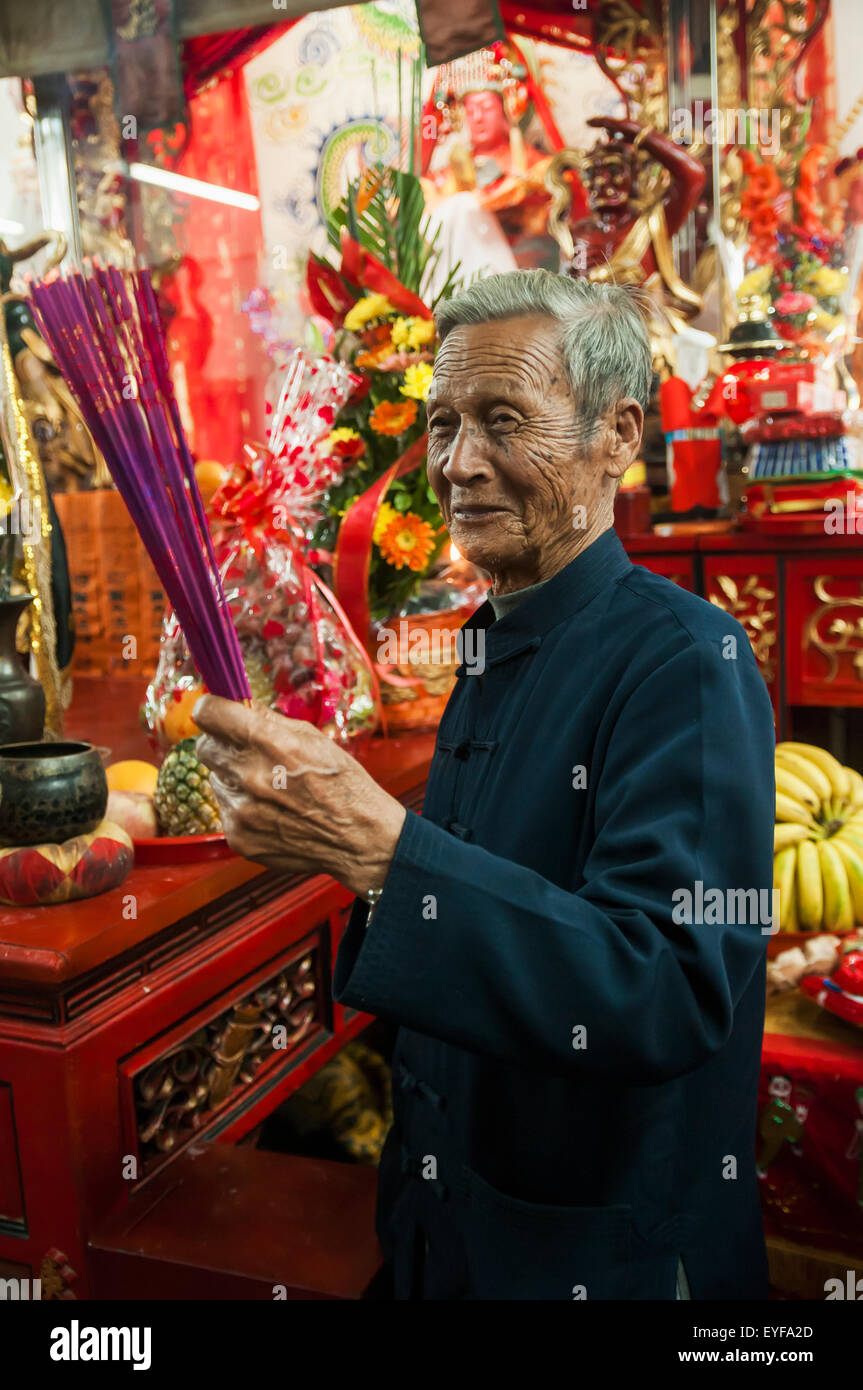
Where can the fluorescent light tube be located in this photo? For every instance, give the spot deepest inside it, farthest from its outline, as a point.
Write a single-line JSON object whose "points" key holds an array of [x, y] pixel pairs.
{"points": [[196, 188]]}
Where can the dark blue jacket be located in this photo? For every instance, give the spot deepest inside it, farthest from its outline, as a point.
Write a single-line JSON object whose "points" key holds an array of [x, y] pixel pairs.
{"points": [[577, 1063]]}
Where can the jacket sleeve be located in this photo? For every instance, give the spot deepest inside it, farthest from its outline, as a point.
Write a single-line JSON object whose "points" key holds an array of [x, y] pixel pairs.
{"points": [[618, 978]]}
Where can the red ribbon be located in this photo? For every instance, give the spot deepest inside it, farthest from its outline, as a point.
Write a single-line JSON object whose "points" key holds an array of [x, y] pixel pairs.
{"points": [[360, 267], [333, 292], [353, 553]]}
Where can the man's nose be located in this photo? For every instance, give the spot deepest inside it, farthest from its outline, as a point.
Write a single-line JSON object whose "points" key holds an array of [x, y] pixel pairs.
{"points": [[467, 459]]}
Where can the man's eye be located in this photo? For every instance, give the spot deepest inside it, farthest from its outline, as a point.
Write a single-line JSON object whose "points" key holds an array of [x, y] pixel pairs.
{"points": [[438, 425], [503, 419]]}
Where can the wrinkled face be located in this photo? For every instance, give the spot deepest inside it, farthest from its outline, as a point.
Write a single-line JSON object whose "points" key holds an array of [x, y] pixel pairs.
{"points": [[486, 119], [507, 458]]}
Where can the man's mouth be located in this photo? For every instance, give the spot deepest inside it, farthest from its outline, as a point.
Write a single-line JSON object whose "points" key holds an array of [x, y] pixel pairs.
{"points": [[475, 511]]}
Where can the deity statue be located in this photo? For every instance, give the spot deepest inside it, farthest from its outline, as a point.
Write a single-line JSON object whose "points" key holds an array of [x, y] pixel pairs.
{"points": [[499, 154], [69, 458], [491, 197], [641, 187]]}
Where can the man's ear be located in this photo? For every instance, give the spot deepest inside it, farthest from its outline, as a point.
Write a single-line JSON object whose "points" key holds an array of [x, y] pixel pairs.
{"points": [[626, 425]]}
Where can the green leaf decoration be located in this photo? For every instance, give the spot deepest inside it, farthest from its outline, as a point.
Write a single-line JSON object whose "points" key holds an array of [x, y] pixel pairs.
{"points": [[395, 228]]}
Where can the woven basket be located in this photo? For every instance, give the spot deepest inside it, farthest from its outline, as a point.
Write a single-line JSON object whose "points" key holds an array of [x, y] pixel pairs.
{"points": [[419, 706]]}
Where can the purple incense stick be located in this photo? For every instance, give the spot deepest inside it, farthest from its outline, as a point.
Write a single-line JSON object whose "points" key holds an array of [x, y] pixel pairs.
{"points": [[105, 342]]}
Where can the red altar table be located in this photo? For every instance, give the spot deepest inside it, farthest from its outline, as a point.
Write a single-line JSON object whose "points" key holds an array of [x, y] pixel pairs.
{"points": [[810, 1145], [138, 1027], [800, 599]]}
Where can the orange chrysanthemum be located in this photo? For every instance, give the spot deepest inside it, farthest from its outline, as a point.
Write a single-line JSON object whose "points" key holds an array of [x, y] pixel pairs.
{"points": [[407, 541], [369, 361], [393, 417]]}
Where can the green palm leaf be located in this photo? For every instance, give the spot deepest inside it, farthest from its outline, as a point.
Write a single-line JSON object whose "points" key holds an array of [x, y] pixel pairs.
{"points": [[394, 227]]}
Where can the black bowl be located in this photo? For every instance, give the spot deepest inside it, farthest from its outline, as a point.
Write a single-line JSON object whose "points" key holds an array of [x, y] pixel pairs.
{"points": [[752, 338], [50, 792]]}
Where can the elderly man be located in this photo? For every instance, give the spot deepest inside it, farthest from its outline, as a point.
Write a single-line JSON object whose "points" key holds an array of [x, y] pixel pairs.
{"points": [[561, 937]]}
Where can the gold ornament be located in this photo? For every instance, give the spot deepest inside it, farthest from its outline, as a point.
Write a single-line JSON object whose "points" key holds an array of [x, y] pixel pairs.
{"points": [[28, 481]]}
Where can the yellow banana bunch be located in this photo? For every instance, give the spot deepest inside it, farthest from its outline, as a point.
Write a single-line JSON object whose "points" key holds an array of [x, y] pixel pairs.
{"points": [[810, 890], [817, 840], [784, 873]]}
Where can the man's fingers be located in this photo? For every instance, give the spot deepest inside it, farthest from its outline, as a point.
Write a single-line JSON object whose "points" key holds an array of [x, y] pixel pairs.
{"points": [[225, 718], [279, 738], [272, 732], [216, 754], [245, 771]]}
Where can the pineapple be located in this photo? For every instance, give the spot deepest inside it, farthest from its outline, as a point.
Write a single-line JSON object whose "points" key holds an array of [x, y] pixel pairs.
{"points": [[184, 800]]}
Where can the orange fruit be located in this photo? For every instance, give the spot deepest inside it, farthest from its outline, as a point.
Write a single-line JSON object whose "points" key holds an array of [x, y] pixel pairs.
{"points": [[178, 721], [210, 475], [132, 775]]}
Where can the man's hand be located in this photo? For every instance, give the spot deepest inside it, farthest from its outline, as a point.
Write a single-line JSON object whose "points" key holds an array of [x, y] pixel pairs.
{"points": [[292, 799]]}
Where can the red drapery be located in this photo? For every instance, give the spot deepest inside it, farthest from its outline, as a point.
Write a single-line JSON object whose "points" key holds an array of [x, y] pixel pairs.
{"points": [[207, 58], [216, 359]]}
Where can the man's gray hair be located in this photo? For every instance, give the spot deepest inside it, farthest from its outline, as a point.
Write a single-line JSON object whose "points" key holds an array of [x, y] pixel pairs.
{"points": [[603, 330]]}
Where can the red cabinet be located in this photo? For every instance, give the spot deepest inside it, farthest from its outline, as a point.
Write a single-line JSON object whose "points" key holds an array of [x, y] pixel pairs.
{"points": [[127, 1043], [799, 598]]}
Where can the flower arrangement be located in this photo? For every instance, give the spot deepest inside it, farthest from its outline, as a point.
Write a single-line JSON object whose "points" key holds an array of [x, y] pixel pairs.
{"points": [[758, 206], [797, 266], [804, 285], [376, 301]]}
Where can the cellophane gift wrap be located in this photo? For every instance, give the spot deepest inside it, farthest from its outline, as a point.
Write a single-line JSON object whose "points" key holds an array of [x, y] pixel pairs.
{"points": [[300, 653]]}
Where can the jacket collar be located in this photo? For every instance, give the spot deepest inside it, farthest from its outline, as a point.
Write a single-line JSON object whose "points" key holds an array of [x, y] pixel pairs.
{"points": [[600, 564]]}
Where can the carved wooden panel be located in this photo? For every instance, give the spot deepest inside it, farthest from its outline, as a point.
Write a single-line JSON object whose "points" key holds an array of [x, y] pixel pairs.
{"points": [[825, 618], [224, 1056], [747, 587]]}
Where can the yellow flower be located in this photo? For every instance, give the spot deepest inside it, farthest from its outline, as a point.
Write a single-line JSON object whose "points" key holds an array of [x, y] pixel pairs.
{"points": [[343, 444], [827, 280], [386, 514], [417, 381], [422, 331], [755, 282], [341, 436], [371, 306], [400, 332], [7, 494], [826, 322], [412, 333]]}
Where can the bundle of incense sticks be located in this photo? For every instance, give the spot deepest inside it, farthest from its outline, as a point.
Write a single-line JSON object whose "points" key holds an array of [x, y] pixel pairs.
{"points": [[103, 328]]}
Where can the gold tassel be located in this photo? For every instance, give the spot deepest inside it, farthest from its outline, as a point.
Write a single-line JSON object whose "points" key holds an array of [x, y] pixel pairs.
{"points": [[26, 477]]}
